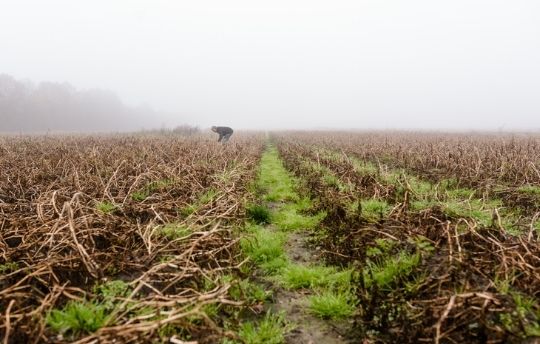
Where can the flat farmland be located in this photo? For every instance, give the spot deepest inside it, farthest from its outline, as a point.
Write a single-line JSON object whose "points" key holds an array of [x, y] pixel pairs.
{"points": [[285, 237]]}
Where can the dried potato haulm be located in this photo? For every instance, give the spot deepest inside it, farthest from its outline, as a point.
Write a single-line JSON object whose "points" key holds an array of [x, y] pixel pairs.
{"points": [[119, 238], [436, 261]]}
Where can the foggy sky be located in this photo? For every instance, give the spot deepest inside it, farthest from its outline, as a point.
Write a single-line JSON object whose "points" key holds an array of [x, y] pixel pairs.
{"points": [[290, 64]]}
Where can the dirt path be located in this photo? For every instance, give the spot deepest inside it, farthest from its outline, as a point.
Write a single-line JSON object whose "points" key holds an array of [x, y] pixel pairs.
{"points": [[304, 290], [309, 329]]}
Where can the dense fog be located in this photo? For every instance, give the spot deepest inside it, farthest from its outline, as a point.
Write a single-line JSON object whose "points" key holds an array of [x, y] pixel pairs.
{"points": [[59, 107], [301, 64]]}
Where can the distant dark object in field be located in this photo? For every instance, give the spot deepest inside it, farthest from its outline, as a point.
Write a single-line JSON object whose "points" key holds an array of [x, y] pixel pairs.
{"points": [[225, 133]]}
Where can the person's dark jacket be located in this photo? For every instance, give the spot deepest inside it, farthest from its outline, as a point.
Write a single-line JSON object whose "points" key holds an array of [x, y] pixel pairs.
{"points": [[222, 131]]}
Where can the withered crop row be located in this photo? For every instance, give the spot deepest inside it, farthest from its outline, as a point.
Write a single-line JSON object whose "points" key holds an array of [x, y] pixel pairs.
{"points": [[77, 213], [474, 159], [424, 275]]}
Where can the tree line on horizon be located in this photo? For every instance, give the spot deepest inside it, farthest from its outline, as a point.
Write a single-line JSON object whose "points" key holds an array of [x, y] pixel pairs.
{"points": [[26, 107]]}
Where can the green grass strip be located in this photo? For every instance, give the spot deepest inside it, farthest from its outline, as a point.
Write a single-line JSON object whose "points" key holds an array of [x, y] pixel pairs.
{"points": [[298, 276], [278, 186], [274, 181], [265, 249]]}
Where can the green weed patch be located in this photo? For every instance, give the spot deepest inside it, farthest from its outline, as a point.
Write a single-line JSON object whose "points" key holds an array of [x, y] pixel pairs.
{"points": [[332, 304], [270, 330], [151, 188], [106, 207], [372, 210], [288, 218], [8, 267], [385, 272], [259, 214], [265, 249], [203, 199], [530, 190], [78, 317], [297, 276], [174, 231]]}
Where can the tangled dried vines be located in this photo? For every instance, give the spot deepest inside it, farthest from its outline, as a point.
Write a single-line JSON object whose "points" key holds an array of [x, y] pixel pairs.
{"points": [[468, 281], [76, 212]]}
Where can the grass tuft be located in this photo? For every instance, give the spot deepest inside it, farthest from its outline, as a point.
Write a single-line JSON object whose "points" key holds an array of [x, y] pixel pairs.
{"points": [[106, 207], [472, 209], [383, 247], [530, 189], [387, 271], [205, 198], [245, 289], [270, 330], [266, 249], [77, 317], [289, 219], [174, 231], [8, 267], [374, 210], [332, 304], [258, 214], [297, 276], [140, 196], [112, 289]]}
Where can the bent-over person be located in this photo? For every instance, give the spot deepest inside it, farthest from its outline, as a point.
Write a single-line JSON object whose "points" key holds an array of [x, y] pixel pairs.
{"points": [[225, 133]]}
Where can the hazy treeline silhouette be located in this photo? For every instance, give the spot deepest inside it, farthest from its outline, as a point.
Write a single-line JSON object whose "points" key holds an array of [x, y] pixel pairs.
{"points": [[181, 130], [59, 107]]}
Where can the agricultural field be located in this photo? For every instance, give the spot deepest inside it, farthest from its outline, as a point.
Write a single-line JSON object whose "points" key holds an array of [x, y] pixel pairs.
{"points": [[286, 237]]}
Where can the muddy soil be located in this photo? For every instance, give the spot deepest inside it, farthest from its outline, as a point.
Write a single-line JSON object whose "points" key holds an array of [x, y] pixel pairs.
{"points": [[308, 328]]}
